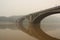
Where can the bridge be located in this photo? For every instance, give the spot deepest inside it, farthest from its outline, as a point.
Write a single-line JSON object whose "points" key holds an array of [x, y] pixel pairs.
{"points": [[31, 23]]}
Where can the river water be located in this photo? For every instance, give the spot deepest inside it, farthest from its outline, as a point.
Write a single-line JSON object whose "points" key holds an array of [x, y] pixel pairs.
{"points": [[10, 32]]}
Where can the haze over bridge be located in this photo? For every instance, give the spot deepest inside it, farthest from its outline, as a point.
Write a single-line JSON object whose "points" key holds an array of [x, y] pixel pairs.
{"points": [[31, 23]]}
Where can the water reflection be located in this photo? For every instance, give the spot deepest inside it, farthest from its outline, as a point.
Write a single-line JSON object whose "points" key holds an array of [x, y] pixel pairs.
{"points": [[10, 32]]}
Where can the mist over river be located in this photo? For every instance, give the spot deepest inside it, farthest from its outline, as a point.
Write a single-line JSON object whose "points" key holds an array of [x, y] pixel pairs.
{"points": [[10, 31]]}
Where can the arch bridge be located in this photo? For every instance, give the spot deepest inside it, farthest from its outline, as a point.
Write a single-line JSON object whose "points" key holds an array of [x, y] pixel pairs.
{"points": [[31, 23]]}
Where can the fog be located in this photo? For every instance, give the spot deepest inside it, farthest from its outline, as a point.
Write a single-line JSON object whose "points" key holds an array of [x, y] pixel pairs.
{"points": [[24, 7]]}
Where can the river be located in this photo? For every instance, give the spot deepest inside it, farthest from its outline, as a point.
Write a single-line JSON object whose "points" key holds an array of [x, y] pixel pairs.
{"points": [[9, 34]]}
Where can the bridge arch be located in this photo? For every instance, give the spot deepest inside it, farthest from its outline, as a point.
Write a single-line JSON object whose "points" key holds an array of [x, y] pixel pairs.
{"points": [[34, 26], [46, 13], [38, 19]]}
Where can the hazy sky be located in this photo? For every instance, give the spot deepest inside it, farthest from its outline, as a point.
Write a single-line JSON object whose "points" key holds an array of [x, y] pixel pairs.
{"points": [[23, 7]]}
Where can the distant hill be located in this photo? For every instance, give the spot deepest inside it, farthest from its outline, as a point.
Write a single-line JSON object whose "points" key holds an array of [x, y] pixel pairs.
{"points": [[9, 19]]}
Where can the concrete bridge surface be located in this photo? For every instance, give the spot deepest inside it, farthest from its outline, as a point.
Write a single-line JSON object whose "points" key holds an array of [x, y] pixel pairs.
{"points": [[31, 23]]}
